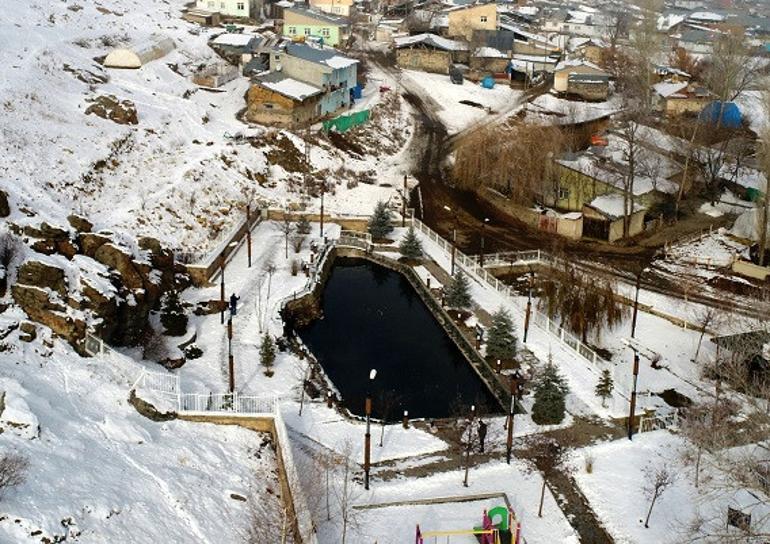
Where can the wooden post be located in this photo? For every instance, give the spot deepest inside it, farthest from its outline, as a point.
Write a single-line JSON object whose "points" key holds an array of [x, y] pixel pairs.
{"points": [[405, 420], [509, 440], [632, 407]]}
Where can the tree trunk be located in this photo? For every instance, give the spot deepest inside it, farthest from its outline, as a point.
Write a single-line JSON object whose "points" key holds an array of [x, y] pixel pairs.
{"points": [[382, 432], [697, 466], [763, 228], [649, 512]]}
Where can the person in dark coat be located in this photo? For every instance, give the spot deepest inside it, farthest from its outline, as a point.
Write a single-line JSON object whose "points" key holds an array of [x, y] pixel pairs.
{"points": [[234, 304], [482, 434]]}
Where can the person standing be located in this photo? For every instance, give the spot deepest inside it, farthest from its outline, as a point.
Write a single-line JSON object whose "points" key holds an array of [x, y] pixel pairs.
{"points": [[234, 304], [482, 434]]}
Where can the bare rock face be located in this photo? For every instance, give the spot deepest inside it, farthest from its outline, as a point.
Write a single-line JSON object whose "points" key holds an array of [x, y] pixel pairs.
{"points": [[5, 207], [112, 256], [39, 307], [39, 274], [90, 242], [122, 112], [79, 223]]}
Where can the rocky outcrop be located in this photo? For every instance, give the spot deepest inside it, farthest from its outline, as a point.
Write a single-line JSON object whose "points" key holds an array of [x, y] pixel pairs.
{"points": [[40, 274], [5, 207], [38, 305], [114, 257], [90, 242], [122, 112], [80, 224]]}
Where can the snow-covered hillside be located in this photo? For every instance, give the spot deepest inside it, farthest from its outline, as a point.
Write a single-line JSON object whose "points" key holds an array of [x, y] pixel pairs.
{"points": [[177, 175]]}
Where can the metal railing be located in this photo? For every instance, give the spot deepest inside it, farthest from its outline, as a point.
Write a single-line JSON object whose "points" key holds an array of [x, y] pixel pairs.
{"points": [[659, 421], [234, 403], [354, 239]]}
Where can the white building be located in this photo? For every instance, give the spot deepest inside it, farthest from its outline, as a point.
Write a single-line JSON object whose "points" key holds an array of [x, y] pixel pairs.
{"points": [[231, 8]]}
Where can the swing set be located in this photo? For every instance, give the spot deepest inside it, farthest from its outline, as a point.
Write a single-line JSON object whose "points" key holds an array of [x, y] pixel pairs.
{"points": [[499, 526]]}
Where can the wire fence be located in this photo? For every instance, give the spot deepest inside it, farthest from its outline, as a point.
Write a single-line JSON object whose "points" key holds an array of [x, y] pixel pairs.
{"points": [[657, 422]]}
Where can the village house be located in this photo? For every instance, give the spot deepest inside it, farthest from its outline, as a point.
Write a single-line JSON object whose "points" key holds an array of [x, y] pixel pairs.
{"points": [[463, 20], [429, 53], [299, 23], [674, 98], [335, 7], [589, 49], [231, 8], [581, 78], [202, 17], [275, 99], [321, 67], [604, 218]]}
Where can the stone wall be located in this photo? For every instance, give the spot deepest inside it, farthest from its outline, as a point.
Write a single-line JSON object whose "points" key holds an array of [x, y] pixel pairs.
{"points": [[427, 60]]}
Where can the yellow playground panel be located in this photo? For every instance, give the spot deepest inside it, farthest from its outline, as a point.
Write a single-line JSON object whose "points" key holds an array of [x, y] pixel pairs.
{"points": [[499, 526]]}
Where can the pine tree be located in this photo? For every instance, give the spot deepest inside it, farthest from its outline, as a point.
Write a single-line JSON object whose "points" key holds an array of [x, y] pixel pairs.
{"points": [[379, 224], [604, 387], [172, 315], [550, 392], [303, 225], [501, 341], [458, 293], [267, 353], [411, 247]]}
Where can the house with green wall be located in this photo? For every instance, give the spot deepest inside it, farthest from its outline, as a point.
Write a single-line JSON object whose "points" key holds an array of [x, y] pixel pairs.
{"points": [[302, 23]]}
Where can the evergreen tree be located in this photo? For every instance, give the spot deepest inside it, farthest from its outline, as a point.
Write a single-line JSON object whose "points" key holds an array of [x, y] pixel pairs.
{"points": [[550, 392], [267, 353], [501, 341], [303, 225], [458, 292], [172, 315], [411, 247], [604, 387], [379, 224]]}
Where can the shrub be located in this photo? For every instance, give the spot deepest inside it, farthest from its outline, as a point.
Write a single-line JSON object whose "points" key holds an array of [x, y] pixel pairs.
{"points": [[13, 471]]}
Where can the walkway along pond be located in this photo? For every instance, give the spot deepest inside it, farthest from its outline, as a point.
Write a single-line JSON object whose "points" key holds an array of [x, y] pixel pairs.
{"points": [[373, 318]]}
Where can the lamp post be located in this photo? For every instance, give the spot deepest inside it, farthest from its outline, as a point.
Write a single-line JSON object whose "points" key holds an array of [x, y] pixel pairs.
{"points": [[230, 362], [248, 232], [368, 437], [222, 288], [509, 441], [323, 190], [527, 316], [454, 238], [470, 441], [403, 203], [481, 255]]}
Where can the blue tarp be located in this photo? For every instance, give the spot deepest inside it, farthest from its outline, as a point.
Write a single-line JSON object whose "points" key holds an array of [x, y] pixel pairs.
{"points": [[731, 114]]}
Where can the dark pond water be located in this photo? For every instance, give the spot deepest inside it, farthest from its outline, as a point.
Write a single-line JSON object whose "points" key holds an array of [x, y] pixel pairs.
{"points": [[373, 318]]}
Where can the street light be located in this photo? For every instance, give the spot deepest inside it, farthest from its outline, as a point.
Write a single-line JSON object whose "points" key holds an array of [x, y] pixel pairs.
{"points": [[470, 441], [368, 437], [454, 238], [481, 255], [529, 303], [514, 391]]}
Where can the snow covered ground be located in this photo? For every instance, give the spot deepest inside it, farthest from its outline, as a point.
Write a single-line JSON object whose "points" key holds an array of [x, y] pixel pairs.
{"points": [[447, 95], [100, 472]]}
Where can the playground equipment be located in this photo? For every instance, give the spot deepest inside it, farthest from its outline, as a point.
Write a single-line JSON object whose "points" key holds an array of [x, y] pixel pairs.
{"points": [[498, 526]]}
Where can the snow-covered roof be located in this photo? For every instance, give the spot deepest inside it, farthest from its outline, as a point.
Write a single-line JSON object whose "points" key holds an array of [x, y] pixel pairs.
{"points": [[431, 39], [287, 86], [575, 63], [589, 165], [744, 176], [489, 53], [668, 89], [612, 205], [541, 59], [326, 55], [707, 16], [233, 39], [669, 21]]}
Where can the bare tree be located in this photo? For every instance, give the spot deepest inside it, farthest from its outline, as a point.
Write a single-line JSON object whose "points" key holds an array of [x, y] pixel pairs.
{"points": [[656, 481], [286, 227], [12, 251], [548, 457], [13, 471], [346, 492], [263, 523], [763, 154], [706, 318], [386, 402]]}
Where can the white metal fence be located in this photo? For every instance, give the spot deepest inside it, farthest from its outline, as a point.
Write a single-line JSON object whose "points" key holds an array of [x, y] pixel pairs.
{"points": [[471, 266], [234, 403]]}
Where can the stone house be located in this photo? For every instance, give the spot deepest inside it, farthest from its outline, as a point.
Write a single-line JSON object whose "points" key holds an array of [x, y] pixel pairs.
{"points": [[275, 99], [603, 218], [569, 77], [301, 23], [232, 8], [429, 53], [321, 67], [678, 98], [489, 60], [589, 49], [463, 20]]}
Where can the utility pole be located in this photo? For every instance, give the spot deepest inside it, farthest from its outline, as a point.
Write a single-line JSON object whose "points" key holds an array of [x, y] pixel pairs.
{"points": [[368, 436], [230, 364], [454, 238], [403, 204], [527, 316], [223, 258], [632, 407], [323, 190], [248, 231], [636, 302], [481, 255]]}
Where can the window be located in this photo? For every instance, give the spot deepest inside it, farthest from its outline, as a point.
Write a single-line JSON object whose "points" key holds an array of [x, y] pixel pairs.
{"points": [[325, 32], [483, 18], [222, 5], [307, 31], [292, 30], [563, 193], [240, 6], [336, 9], [211, 5]]}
